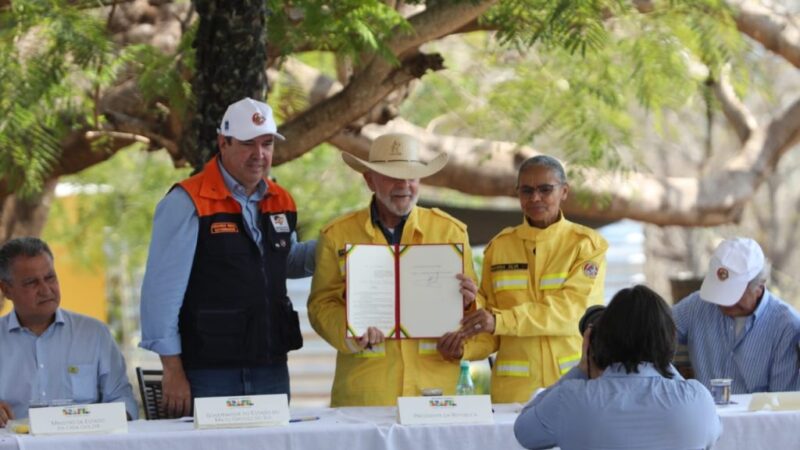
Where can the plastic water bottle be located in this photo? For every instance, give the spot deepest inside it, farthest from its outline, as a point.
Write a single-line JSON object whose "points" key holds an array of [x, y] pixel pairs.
{"points": [[465, 386]]}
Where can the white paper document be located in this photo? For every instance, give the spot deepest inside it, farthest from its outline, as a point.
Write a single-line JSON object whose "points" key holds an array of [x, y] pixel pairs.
{"points": [[408, 291]]}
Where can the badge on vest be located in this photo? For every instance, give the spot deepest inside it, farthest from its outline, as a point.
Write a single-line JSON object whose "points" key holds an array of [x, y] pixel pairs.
{"points": [[224, 227], [280, 223]]}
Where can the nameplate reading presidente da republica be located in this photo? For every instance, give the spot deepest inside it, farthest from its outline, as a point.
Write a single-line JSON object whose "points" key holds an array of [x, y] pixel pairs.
{"points": [[463, 409]]}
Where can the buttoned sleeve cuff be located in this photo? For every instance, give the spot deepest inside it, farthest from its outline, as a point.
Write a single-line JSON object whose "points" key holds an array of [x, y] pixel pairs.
{"points": [[504, 323], [166, 346]]}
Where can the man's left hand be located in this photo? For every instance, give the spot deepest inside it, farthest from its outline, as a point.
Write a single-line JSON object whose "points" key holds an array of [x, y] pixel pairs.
{"points": [[478, 321], [451, 345]]}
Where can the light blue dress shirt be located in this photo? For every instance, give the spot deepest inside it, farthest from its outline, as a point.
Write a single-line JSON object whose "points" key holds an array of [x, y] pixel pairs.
{"points": [[621, 411], [169, 263], [74, 360], [762, 358]]}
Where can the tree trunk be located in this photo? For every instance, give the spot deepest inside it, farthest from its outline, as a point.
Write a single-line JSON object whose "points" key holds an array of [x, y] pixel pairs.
{"points": [[231, 52], [26, 216]]}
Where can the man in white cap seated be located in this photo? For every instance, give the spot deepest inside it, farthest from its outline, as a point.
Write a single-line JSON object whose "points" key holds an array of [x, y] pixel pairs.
{"points": [[735, 328], [214, 303], [369, 370]]}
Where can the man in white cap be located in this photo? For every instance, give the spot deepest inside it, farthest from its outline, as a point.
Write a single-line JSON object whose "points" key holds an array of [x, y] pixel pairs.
{"points": [[735, 328], [369, 370], [214, 303]]}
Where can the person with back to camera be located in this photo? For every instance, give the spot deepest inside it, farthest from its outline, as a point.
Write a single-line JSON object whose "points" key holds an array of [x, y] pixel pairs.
{"points": [[624, 394]]}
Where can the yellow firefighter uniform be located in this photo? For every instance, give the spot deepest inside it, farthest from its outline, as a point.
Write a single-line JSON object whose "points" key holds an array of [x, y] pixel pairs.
{"points": [[538, 283], [398, 367]]}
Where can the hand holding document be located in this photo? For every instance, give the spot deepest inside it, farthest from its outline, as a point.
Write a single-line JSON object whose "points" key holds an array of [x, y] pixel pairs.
{"points": [[406, 291]]}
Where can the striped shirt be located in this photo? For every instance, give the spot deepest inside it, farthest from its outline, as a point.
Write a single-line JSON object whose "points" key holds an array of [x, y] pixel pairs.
{"points": [[763, 357]]}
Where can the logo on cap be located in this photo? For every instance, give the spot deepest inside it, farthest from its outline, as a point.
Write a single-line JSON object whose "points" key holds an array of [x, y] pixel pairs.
{"points": [[722, 274], [395, 150], [258, 119]]}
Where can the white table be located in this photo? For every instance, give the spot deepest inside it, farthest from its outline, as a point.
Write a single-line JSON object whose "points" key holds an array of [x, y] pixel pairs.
{"points": [[760, 430], [377, 428]]}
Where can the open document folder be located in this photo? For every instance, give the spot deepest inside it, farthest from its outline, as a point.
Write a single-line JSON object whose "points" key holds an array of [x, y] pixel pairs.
{"points": [[406, 291]]}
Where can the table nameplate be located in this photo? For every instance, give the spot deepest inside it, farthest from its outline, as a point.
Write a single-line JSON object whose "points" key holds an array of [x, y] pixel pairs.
{"points": [[241, 411], [79, 419], [463, 409]]}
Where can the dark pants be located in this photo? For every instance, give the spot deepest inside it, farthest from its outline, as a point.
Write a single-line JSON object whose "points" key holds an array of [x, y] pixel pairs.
{"points": [[272, 379]]}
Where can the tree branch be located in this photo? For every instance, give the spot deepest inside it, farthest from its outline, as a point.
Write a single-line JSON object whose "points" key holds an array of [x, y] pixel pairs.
{"points": [[775, 32], [437, 21], [738, 115]]}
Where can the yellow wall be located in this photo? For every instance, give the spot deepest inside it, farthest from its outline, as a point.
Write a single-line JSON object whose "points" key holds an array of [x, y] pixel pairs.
{"points": [[82, 291]]}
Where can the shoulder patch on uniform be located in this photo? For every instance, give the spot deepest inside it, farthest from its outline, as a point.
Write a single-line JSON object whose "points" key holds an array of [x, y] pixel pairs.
{"points": [[590, 269]]}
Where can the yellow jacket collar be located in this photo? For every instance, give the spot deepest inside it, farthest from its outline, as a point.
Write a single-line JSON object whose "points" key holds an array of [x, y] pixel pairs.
{"points": [[410, 229], [531, 233]]}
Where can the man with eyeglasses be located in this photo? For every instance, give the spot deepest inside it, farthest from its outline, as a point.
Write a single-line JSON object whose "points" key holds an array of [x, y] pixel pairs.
{"points": [[538, 279], [214, 302]]}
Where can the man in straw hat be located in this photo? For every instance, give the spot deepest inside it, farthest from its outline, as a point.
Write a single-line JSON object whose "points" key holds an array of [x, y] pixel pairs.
{"points": [[369, 370], [214, 302], [734, 328]]}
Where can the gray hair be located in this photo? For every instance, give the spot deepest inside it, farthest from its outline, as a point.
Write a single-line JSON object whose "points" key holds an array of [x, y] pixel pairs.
{"points": [[544, 161], [762, 277], [24, 246]]}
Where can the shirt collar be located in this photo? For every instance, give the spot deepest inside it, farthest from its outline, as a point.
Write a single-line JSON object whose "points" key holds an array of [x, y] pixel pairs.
{"points": [[762, 305], [646, 370], [235, 187], [13, 321], [376, 222]]}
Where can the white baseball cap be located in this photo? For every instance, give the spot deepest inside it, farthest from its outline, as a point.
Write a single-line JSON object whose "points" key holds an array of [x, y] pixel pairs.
{"points": [[247, 119], [735, 263]]}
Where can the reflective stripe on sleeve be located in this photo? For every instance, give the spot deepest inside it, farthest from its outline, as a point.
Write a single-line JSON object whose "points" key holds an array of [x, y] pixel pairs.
{"points": [[377, 351], [552, 281], [427, 347], [568, 362], [513, 368], [510, 282]]}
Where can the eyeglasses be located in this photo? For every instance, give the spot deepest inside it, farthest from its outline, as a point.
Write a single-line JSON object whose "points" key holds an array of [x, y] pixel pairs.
{"points": [[543, 189]]}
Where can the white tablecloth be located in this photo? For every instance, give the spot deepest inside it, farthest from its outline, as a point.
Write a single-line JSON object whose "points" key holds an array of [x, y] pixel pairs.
{"points": [[377, 428]]}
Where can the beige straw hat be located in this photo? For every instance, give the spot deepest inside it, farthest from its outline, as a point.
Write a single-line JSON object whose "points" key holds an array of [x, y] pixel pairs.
{"points": [[396, 155]]}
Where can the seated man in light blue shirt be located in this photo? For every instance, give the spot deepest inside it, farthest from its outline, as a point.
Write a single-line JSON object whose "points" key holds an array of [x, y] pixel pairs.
{"points": [[50, 355], [735, 328], [624, 394]]}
